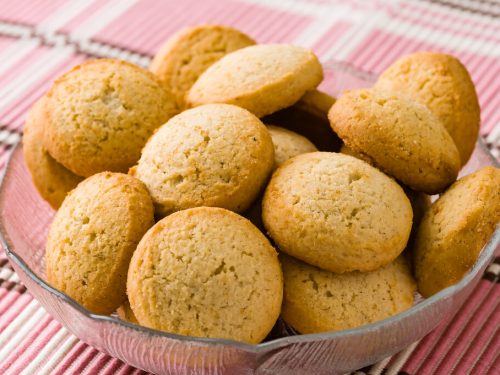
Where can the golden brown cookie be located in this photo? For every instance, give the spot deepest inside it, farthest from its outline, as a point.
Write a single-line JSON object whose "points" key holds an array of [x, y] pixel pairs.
{"points": [[455, 229], [309, 118], [443, 84], [213, 155], [50, 178], [346, 150], [188, 53], [262, 78], [336, 212], [316, 102], [288, 144], [101, 113], [315, 300], [93, 236], [125, 313], [400, 136], [206, 272]]}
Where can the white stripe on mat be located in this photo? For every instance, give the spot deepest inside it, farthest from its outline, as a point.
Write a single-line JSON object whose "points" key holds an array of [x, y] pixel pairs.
{"points": [[12, 90], [16, 51], [299, 7], [101, 19], [351, 39], [19, 328], [48, 348], [401, 359], [63, 15], [377, 368], [9, 137], [58, 355]]}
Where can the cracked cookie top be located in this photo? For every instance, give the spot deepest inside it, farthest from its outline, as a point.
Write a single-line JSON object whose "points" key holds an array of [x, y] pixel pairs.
{"points": [[101, 113], [336, 212], [398, 135], [206, 272], [93, 236], [214, 155]]}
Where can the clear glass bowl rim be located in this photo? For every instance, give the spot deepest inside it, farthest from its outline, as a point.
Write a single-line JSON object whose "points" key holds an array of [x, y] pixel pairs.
{"points": [[486, 255]]}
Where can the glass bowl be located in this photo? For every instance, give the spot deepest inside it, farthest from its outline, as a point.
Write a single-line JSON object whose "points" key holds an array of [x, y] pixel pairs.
{"points": [[24, 222]]}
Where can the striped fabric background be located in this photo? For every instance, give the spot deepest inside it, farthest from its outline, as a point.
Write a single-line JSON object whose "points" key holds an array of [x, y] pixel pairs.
{"points": [[40, 39]]}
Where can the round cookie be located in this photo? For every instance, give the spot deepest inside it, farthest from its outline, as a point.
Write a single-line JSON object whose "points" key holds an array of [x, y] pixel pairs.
{"points": [[455, 229], [101, 113], [50, 178], [315, 300], [288, 144], [125, 312], [400, 136], [93, 236], [213, 155], [443, 84], [210, 273], [188, 53], [262, 78], [336, 212]]}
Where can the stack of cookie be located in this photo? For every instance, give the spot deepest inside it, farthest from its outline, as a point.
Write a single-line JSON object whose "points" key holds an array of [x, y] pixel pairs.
{"points": [[230, 149]]}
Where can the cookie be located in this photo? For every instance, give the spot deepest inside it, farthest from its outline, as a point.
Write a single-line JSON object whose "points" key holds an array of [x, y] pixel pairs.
{"points": [[316, 102], [443, 84], [206, 272], [400, 136], [455, 229], [93, 236], [125, 312], [309, 118], [336, 212], [50, 178], [188, 53], [101, 113], [315, 300], [213, 155], [288, 144], [346, 150], [262, 78]]}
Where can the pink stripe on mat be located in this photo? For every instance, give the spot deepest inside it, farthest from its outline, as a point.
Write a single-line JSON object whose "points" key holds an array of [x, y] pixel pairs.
{"points": [[28, 11], [16, 112], [17, 70], [329, 38], [12, 306], [6, 42], [27, 345], [425, 20], [134, 28], [458, 333], [492, 352], [87, 13], [488, 330], [445, 14]]}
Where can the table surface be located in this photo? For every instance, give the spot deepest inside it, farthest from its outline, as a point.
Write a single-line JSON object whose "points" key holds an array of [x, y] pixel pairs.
{"points": [[40, 39]]}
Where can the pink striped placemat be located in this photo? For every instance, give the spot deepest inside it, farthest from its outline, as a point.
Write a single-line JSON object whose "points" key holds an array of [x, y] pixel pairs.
{"points": [[40, 39]]}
